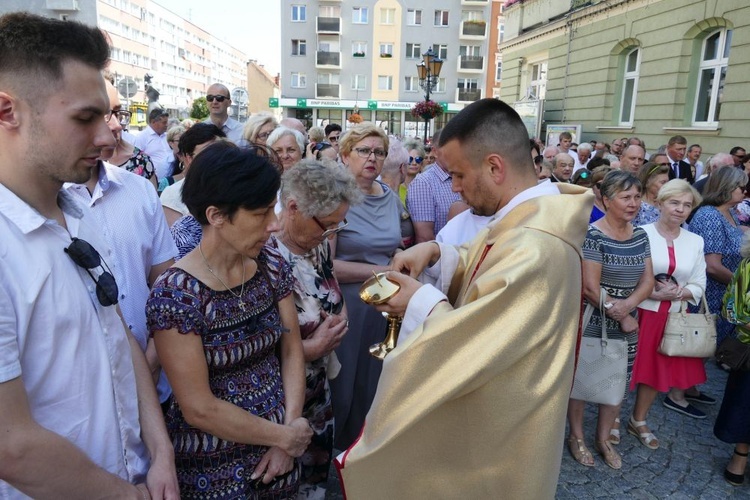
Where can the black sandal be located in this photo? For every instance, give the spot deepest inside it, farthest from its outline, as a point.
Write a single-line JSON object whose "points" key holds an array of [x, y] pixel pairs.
{"points": [[731, 477]]}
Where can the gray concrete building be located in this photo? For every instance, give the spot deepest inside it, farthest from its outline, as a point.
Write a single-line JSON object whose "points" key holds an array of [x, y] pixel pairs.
{"points": [[338, 55]]}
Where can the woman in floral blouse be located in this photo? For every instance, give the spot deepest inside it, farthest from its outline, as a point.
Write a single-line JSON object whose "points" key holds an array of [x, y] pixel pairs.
{"points": [[315, 197]]}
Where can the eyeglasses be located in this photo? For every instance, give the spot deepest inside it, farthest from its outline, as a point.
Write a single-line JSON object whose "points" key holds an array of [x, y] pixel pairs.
{"points": [[123, 116], [218, 98], [86, 256], [417, 159], [328, 232], [333, 138], [263, 135], [380, 154]]}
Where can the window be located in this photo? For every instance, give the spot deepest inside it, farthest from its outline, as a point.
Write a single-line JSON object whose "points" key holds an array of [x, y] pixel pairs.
{"points": [[299, 80], [299, 47], [712, 75], [387, 16], [359, 15], [359, 49], [328, 78], [440, 87], [538, 81], [441, 18], [630, 86], [470, 50], [471, 15], [441, 51], [359, 82], [385, 82], [299, 13], [414, 17], [411, 84], [468, 83], [413, 51], [386, 50], [498, 70], [329, 11]]}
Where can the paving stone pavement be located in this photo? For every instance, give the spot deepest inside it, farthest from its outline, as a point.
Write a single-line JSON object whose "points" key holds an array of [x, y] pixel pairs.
{"points": [[688, 464]]}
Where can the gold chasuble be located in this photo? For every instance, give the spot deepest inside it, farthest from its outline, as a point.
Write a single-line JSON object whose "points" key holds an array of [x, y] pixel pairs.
{"points": [[473, 403]]}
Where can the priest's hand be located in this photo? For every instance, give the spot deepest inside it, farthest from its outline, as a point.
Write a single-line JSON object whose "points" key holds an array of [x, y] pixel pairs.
{"points": [[397, 304], [415, 259]]}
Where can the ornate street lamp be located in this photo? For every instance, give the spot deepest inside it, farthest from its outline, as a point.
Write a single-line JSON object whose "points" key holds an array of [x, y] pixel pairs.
{"points": [[429, 74]]}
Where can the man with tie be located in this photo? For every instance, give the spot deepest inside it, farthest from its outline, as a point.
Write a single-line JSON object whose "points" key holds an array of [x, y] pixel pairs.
{"points": [[679, 169]]}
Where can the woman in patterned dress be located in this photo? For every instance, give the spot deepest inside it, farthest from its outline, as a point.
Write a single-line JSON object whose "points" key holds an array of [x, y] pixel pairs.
{"points": [[315, 198], [717, 223], [616, 257], [226, 332]]}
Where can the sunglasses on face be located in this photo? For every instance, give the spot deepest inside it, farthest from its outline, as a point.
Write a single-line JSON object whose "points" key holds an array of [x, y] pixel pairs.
{"points": [[333, 138], [84, 255], [329, 232], [417, 159], [218, 98]]}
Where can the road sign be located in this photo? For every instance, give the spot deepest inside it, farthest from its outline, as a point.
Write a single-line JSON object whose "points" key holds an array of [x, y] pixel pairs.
{"points": [[273, 102], [127, 87]]}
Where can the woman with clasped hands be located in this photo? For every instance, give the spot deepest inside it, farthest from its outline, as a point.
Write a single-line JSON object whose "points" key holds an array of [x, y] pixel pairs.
{"points": [[315, 198], [616, 257], [680, 269], [226, 332]]}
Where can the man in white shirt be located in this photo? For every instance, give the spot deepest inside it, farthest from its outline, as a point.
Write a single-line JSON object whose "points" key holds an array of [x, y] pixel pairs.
{"points": [[219, 100], [79, 417], [140, 245], [153, 141], [582, 156]]}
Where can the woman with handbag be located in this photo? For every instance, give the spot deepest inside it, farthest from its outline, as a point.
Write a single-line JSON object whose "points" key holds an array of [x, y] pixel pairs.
{"points": [[733, 422], [617, 276], [677, 257]]}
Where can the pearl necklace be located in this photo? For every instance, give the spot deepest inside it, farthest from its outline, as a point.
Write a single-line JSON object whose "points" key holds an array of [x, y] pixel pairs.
{"points": [[242, 289]]}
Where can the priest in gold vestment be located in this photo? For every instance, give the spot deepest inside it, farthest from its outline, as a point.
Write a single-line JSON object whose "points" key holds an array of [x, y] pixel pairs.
{"points": [[472, 402]]}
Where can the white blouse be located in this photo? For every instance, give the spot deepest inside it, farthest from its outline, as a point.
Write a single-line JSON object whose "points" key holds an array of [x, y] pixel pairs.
{"points": [[690, 264]]}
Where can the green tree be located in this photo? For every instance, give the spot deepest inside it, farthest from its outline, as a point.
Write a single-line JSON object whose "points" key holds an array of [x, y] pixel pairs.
{"points": [[200, 109]]}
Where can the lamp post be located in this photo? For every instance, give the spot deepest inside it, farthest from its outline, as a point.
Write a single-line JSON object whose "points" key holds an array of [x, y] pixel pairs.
{"points": [[429, 73]]}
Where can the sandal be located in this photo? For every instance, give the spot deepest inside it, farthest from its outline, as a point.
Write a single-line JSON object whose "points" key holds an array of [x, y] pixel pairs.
{"points": [[731, 477], [614, 433], [609, 454], [580, 452], [646, 438]]}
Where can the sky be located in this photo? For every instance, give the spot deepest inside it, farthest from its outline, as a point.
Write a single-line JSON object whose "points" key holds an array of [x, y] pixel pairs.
{"points": [[252, 26]]}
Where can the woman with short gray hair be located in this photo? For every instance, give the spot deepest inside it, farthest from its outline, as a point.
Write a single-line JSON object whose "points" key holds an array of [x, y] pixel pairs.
{"points": [[315, 198], [288, 144]]}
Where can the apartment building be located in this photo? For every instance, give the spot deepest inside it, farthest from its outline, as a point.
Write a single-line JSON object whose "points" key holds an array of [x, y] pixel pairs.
{"points": [[623, 68], [339, 56], [180, 58]]}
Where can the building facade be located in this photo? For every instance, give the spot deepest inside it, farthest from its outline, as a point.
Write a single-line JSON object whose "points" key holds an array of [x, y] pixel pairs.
{"points": [[180, 59], [265, 89], [646, 68], [342, 55]]}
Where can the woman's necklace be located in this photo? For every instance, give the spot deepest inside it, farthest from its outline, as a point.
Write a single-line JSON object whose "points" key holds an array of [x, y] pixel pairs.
{"points": [[242, 289]]}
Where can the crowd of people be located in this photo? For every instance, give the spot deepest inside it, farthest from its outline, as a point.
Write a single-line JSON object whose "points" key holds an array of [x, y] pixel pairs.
{"points": [[209, 340]]}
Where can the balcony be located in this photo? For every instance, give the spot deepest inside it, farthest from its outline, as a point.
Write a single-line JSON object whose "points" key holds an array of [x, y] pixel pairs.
{"points": [[329, 25], [475, 2], [471, 64], [468, 95], [473, 30], [327, 91], [327, 60]]}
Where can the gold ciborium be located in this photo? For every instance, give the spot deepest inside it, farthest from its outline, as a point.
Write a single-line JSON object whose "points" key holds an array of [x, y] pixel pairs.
{"points": [[378, 290]]}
